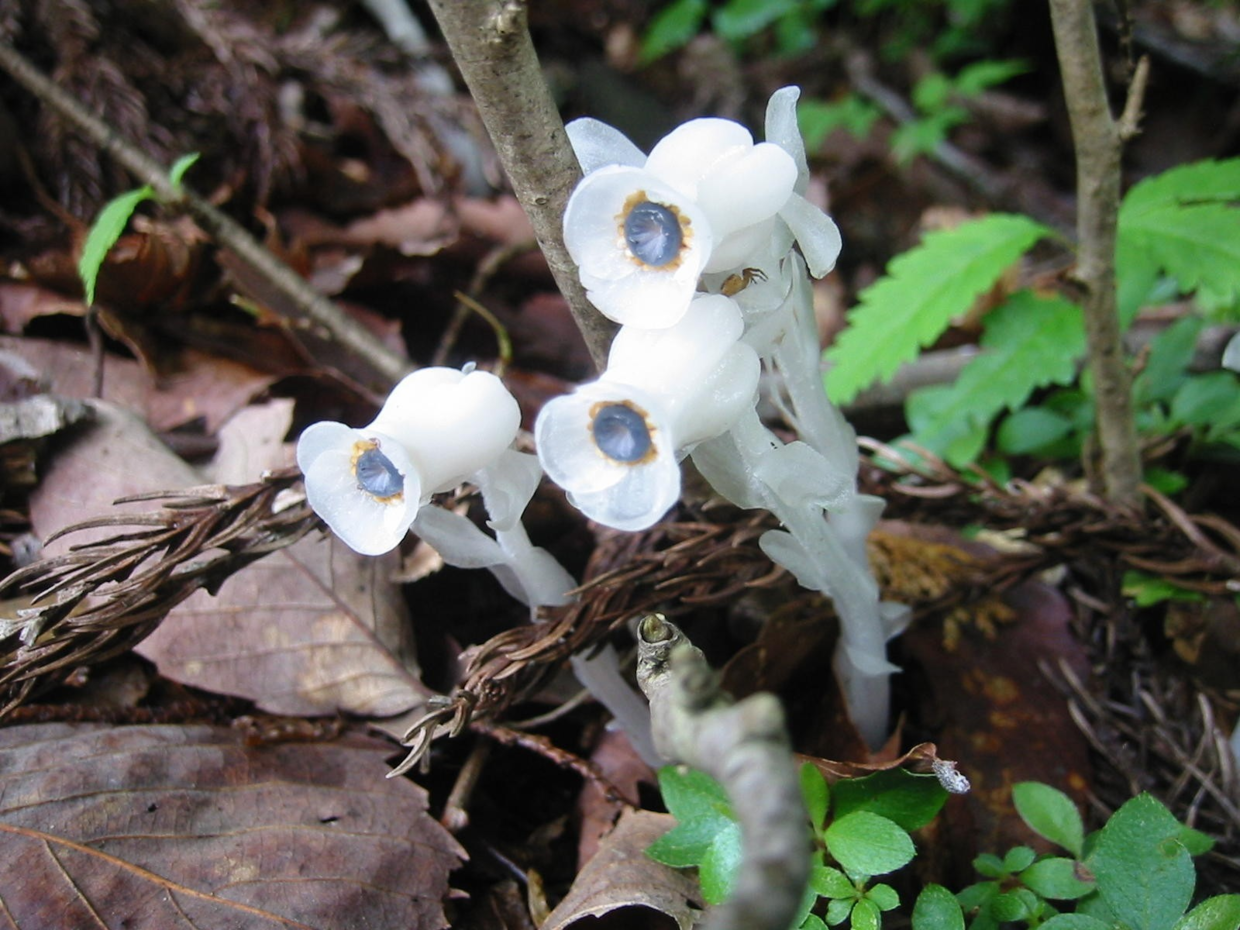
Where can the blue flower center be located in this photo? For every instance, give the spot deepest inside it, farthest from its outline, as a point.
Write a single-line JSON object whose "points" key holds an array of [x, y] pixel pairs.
{"points": [[376, 475], [620, 433], [653, 234]]}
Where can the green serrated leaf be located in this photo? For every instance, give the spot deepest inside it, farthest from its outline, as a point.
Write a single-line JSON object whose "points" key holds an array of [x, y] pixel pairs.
{"points": [[831, 883], [1197, 244], [885, 897], [868, 844], [1056, 878], [1051, 814], [739, 19], [1144, 873], [937, 909], [1030, 342], [1210, 400], [108, 226], [911, 801], [1222, 912], [719, 867], [177, 172], [672, 27], [818, 118], [923, 290], [816, 794], [1198, 182]]}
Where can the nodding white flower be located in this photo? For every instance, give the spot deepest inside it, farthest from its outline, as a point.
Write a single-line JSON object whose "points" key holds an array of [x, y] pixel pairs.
{"points": [[438, 427], [642, 230], [615, 444]]}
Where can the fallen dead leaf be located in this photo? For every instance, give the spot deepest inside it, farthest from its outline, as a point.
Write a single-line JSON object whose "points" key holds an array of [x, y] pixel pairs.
{"points": [[164, 826], [621, 875], [311, 629]]}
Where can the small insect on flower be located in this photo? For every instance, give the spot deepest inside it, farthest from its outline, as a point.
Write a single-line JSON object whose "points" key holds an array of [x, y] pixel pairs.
{"points": [[733, 284]]}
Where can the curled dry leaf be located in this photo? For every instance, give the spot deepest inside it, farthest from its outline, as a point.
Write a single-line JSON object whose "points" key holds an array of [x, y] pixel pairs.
{"points": [[310, 629], [622, 875], [157, 827]]}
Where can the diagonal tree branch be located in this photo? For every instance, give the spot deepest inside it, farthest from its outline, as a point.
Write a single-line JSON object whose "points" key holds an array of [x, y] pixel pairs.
{"points": [[358, 341]]}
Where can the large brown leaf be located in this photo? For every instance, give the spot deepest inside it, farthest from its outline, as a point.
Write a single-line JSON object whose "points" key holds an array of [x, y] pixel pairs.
{"points": [[312, 629], [159, 827], [621, 875]]}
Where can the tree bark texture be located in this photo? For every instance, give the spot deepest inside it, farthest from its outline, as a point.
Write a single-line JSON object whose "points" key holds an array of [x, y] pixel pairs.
{"points": [[1098, 143]]}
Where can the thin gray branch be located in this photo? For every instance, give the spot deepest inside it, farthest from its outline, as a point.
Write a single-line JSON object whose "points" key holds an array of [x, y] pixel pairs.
{"points": [[744, 746], [490, 41]]}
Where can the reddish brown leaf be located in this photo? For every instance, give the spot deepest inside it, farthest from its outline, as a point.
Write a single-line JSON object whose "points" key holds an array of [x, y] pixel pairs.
{"points": [[158, 827], [622, 875]]}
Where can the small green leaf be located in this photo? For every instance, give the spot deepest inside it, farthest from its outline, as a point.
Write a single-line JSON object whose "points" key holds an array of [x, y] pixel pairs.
{"points": [[885, 897], [982, 75], [177, 172], [831, 883], [1018, 858], [909, 800], [1166, 365], [1074, 922], [1165, 481], [816, 794], [701, 809], [108, 226], [673, 27], [719, 867], [838, 910], [812, 922], [1196, 842], [1147, 590], [932, 92], [1222, 912], [1056, 878], [990, 865], [868, 844], [1009, 906], [923, 290], [818, 118], [866, 916], [1051, 814], [1144, 872], [1208, 400], [937, 909], [1031, 429], [739, 19], [978, 895]]}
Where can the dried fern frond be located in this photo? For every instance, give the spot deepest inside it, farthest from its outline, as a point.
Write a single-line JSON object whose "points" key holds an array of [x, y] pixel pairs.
{"points": [[102, 598]]}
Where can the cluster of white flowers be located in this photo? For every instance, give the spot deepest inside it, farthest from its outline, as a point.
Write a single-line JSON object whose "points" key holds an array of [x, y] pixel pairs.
{"points": [[691, 250], [703, 252]]}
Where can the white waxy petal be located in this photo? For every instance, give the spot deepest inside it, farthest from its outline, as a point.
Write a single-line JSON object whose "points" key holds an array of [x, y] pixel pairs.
{"points": [[782, 129], [508, 485], [451, 423], [456, 538], [691, 150], [719, 398], [597, 144], [743, 248], [747, 190], [639, 501], [327, 455], [671, 361], [815, 232]]}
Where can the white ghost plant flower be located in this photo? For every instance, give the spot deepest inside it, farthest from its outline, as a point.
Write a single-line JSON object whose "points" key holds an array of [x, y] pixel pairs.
{"points": [[438, 427], [615, 444], [642, 230]]}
